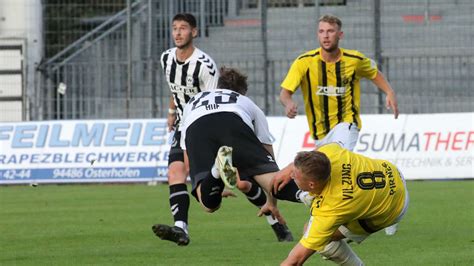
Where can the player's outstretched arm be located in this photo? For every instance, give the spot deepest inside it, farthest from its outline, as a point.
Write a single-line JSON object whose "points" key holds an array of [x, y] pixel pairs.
{"points": [[391, 98], [298, 255]]}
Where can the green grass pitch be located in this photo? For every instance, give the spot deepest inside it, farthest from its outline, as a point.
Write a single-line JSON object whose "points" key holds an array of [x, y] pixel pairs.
{"points": [[111, 225]]}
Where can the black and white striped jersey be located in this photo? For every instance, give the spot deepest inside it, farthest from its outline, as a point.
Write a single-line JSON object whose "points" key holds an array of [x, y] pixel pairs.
{"points": [[198, 73]]}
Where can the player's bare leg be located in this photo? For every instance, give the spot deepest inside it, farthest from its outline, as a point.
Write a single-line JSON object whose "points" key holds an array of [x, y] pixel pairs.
{"points": [[224, 170], [254, 193]]}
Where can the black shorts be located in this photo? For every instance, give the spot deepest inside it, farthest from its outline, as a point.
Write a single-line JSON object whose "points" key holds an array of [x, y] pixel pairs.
{"points": [[207, 134], [176, 153]]}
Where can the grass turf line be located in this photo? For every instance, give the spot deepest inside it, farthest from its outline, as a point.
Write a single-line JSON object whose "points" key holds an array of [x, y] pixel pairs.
{"points": [[111, 225]]}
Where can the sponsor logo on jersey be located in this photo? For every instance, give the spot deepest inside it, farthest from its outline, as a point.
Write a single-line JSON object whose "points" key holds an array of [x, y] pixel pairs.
{"points": [[183, 89], [331, 90], [346, 81], [189, 81]]}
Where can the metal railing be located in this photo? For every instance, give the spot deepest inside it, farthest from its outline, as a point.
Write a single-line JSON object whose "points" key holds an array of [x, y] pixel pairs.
{"points": [[425, 70]]}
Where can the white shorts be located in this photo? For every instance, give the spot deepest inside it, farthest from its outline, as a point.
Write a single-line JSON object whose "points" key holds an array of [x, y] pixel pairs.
{"points": [[343, 133], [407, 198]]}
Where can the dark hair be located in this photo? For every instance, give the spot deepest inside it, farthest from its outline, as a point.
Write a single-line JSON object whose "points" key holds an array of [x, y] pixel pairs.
{"points": [[232, 79], [314, 165], [189, 18]]}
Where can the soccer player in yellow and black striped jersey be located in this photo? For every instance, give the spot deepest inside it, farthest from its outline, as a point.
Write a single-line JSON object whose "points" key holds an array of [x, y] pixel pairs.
{"points": [[330, 81], [354, 197]]}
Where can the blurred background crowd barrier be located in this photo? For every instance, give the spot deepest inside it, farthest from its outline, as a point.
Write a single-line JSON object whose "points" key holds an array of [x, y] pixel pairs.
{"points": [[99, 59]]}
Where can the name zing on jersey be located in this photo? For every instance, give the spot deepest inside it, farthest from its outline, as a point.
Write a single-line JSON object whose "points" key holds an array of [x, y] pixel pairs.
{"points": [[347, 186]]}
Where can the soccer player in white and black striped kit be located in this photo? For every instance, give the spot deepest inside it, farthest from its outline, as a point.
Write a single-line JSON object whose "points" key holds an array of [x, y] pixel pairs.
{"points": [[188, 71], [223, 128]]}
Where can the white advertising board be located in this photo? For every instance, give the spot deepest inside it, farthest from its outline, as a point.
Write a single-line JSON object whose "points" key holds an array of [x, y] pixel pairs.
{"points": [[83, 151], [431, 146], [434, 146]]}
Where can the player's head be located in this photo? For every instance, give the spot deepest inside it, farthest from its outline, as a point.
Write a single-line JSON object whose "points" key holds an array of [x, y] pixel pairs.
{"points": [[329, 32], [184, 30], [312, 170], [232, 79]]}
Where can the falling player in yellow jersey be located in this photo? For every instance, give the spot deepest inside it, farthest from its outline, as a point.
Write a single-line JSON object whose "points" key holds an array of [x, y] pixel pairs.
{"points": [[329, 78], [354, 196]]}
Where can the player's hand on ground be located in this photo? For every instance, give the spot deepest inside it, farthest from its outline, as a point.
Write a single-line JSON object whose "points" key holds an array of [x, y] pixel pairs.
{"points": [[275, 212], [391, 103], [291, 109], [282, 178], [227, 193]]}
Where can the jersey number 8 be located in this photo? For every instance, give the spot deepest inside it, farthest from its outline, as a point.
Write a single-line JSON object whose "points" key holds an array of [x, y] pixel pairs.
{"points": [[368, 180]]}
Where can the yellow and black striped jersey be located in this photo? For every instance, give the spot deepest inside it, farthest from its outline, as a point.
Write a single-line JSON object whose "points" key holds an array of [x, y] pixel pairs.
{"points": [[331, 91], [367, 191]]}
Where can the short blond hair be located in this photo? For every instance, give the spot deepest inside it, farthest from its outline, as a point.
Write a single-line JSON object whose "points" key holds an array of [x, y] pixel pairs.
{"points": [[314, 165], [331, 19]]}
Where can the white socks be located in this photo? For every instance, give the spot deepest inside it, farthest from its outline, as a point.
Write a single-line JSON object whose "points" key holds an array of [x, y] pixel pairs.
{"points": [[215, 172], [340, 253], [182, 225], [271, 220], [305, 198]]}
